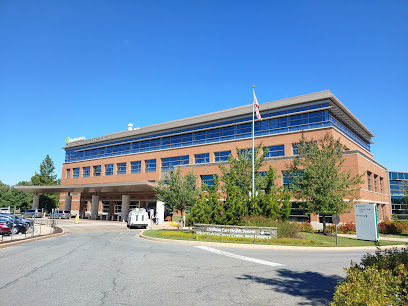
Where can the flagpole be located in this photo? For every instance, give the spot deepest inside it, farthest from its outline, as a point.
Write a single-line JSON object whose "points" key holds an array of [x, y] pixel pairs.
{"points": [[253, 143]]}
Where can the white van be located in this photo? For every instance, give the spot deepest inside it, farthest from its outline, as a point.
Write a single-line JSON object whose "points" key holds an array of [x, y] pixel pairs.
{"points": [[138, 218], [5, 210]]}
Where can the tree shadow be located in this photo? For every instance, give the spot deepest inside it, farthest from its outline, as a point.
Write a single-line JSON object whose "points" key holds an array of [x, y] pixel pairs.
{"points": [[314, 287]]}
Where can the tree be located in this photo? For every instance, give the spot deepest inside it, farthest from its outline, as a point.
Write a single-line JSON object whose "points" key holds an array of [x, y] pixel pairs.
{"points": [[275, 201], [405, 189], [179, 192], [13, 197], [317, 177], [208, 208], [237, 176], [4, 188], [46, 177], [270, 200]]}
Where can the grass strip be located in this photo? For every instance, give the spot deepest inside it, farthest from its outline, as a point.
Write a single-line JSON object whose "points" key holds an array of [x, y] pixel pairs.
{"points": [[309, 239]]}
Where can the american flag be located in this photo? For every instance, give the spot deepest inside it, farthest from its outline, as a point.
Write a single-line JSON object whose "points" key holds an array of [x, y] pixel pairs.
{"points": [[256, 104]]}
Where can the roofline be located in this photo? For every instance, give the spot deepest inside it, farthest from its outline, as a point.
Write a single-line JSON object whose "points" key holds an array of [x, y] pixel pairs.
{"points": [[141, 186], [223, 114]]}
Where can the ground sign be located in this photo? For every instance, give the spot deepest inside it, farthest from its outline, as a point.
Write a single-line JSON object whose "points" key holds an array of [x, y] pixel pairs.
{"points": [[366, 222], [236, 231]]}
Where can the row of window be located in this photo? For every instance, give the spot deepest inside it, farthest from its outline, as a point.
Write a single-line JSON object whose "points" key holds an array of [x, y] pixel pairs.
{"points": [[170, 162], [373, 180], [150, 165], [244, 130], [167, 163], [216, 132]]}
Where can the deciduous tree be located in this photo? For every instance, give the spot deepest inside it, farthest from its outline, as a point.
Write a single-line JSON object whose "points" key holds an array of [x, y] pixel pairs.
{"points": [[318, 178], [177, 191]]}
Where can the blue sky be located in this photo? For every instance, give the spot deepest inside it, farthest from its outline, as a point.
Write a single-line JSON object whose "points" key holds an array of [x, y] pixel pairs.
{"points": [[88, 68]]}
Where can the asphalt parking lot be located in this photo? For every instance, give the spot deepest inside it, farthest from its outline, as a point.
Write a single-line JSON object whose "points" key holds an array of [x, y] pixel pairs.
{"points": [[99, 226]]}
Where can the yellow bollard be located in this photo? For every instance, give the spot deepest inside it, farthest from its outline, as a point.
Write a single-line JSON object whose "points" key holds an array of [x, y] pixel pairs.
{"points": [[77, 219]]}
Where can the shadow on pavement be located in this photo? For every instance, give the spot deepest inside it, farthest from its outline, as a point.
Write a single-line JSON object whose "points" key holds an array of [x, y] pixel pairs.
{"points": [[316, 288]]}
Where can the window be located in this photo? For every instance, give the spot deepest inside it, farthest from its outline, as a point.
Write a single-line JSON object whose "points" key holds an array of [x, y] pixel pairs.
{"points": [[86, 171], [150, 165], [118, 207], [275, 151], [97, 170], [375, 183], [109, 169], [207, 179], [105, 206], [202, 158], [381, 184], [121, 168], [169, 162], [369, 180], [68, 173], [222, 156], [286, 180], [247, 152], [295, 148], [136, 167], [76, 173], [133, 204]]}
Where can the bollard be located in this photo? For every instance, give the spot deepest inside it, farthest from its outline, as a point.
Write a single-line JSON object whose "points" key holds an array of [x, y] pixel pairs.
{"points": [[77, 219]]}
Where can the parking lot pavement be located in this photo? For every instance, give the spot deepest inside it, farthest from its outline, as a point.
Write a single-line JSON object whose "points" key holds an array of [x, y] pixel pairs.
{"points": [[98, 226]]}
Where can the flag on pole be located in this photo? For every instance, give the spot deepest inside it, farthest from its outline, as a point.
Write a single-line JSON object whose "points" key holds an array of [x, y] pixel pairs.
{"points": [[256, 104]]}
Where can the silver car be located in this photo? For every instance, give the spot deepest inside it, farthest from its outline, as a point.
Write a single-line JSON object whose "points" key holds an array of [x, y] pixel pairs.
{"points": [[33, 213], [60, 214]]}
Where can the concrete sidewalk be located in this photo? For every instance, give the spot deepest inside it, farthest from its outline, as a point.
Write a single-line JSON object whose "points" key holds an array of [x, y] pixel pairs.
{"points": [[381, 238]]}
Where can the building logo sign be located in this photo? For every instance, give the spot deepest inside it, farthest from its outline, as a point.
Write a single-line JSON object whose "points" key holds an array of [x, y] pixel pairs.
{"points": [[69, 140]]}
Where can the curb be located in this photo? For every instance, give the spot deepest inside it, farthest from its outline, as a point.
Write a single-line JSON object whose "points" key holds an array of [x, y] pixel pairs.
{"points": [[30, 239], [267, 247]]}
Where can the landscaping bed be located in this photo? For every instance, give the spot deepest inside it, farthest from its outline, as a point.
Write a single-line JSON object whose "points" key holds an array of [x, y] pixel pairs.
{"points": [[303, 239]]}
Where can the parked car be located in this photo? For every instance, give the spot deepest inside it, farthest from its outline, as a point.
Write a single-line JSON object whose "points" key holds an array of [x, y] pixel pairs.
{"points": [[5, 227], [33, 213], [15, 218], [60, 214], [16, 226], [5, 210]]}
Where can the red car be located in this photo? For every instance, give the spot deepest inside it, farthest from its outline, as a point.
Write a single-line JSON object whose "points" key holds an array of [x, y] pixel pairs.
{"points": [[5, 228]]}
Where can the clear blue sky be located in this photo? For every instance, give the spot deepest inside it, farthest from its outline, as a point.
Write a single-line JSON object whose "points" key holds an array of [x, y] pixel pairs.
{"points": [[88, 68]]}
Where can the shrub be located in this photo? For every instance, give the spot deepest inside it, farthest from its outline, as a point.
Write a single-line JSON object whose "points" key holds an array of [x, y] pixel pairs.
{"points": [[347, 228], [404, 226], [305, 227], [388, 227], [331, 228], [384, 259], [285, 229], [368, 287], [380, 279]]}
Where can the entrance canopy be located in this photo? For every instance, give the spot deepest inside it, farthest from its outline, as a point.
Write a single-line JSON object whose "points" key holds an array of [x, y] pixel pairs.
{"points": [[124, 187]]}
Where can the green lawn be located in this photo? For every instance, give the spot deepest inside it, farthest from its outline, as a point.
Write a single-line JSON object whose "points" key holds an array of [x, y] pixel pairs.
{"points": [[310, 239]]}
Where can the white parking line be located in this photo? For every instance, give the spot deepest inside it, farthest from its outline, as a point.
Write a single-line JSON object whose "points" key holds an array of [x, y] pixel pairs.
{"points": [[259, 261]]}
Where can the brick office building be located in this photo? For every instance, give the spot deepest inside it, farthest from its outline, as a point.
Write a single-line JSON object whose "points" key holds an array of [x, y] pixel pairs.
{"points": [[113, 173]]}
